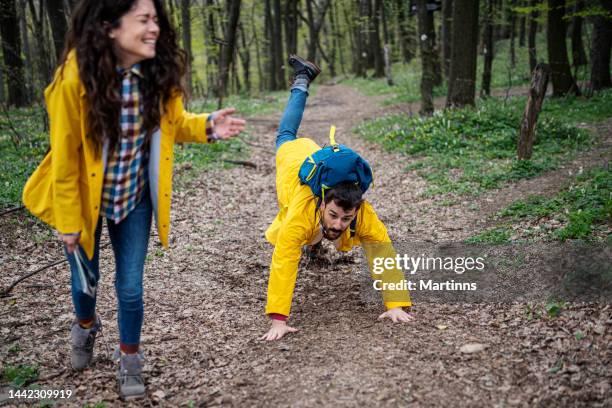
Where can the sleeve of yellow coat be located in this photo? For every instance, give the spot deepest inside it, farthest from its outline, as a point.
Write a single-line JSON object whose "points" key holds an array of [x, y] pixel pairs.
{"points": [[190, 127], [371, 230], [285, 261], [62, 98]]}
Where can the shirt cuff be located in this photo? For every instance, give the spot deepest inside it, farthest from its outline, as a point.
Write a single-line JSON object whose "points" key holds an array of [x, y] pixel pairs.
{"points": [[278, 316], [211, 136]]}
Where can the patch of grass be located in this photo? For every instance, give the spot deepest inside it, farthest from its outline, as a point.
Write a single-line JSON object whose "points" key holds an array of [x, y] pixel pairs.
{"points": [[493, 236], [467, 151], [20, 374], [23, 143], [583, 206]]}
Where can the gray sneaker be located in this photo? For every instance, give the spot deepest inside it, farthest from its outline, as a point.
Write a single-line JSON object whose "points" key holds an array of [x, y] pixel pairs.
{"points": [[83, 343], [129, 375]]}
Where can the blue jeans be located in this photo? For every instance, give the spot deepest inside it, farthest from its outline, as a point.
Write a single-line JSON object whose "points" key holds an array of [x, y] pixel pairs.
{"points": [[292, 117], [130, 240]]}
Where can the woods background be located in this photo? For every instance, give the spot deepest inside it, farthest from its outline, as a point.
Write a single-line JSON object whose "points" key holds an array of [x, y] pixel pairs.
{"points": [[241, 46]]}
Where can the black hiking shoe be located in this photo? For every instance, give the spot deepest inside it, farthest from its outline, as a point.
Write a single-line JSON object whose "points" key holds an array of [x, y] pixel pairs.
{"points": [[303, 67]]}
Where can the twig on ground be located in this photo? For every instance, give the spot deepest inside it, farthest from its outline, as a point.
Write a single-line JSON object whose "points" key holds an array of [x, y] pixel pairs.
{"points": [[11, 210]]}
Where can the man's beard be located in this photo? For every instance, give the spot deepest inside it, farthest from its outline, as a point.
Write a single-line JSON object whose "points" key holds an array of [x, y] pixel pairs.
{"points": [[327, 231]]}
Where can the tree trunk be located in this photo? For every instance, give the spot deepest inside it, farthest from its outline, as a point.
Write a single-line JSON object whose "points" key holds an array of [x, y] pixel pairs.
{"points": [[447, 24], [379, 61], [315, 22], [531, 38], [38, 24], [404, 32], [522, 29], [11, 51], [600, 51], [562, 79], [260, 74], [291, 26], [245, 57], [488, 50], [333, 15], [512, 39], [427, 49], [212, 51], [362, 43], [537, 91], [279, 60], [186, 34], [227, 50], [59, 26], [30, 84], [269, 33], [578, 54], [462, 83]]}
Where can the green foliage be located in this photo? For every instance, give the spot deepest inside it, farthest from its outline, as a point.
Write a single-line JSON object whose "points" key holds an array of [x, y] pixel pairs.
{"points": [[579, 335], [23, 143], [466, 151], [581, 207], [493, 236], [19, 375], [555, 307]]}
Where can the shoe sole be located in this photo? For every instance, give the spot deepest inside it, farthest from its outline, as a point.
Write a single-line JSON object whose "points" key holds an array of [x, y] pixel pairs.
{"points": [[307, 63]]}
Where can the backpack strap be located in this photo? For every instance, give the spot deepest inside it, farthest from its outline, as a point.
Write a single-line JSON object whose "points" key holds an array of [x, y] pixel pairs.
{"points": [[353, 227], [332, 138]]}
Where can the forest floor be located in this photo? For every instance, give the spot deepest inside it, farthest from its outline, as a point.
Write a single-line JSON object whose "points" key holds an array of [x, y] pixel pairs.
{"points": [[205, 296]]}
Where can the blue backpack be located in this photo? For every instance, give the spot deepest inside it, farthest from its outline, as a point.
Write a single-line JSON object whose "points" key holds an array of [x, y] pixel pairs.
{"points": [[332, 165]]}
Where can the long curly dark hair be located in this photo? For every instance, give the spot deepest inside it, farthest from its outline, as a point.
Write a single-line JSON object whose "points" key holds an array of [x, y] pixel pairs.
{"points": [[163, 75]]}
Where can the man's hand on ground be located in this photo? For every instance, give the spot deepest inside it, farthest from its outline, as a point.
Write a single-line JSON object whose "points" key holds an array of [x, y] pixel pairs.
{"points": [[397, 315], [277, 331]]}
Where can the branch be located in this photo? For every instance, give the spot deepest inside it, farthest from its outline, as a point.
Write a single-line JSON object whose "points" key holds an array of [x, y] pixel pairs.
{"points": [[8, 290], [11, 210]]}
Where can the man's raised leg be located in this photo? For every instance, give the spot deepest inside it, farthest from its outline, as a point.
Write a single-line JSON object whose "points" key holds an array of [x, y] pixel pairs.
{"points": [[304, 73]]}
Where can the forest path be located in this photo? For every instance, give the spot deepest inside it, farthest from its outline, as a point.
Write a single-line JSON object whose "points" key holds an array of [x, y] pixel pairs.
{"points": [[205, 296]]}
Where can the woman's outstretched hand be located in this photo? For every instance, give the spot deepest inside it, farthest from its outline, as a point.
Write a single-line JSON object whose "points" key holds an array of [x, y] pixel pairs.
{"points": [[225, 125]]}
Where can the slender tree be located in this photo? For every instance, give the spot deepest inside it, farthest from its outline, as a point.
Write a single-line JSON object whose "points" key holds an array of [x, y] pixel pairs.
{"points": [[427, 61], [578, 54], [291, 26], [227, 50], [59, 25], [11, 51], [462, 83], [488, 50], [403, 23], [600, 50], [186, 34], [562, 80], [447, 21], [531, 37], [375, 45]]}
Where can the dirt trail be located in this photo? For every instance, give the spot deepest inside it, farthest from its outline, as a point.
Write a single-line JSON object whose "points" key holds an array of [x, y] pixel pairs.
{"points": [[204, 301]]}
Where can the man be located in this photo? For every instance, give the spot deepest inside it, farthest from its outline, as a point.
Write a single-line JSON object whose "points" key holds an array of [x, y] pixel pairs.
{"points": [[301, 221]]}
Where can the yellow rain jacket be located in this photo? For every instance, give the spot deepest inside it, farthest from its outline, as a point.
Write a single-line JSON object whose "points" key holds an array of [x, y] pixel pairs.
{"points": [[65, 190], [297, 224]]}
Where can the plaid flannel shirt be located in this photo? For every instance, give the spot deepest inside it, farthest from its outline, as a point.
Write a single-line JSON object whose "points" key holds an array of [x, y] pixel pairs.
{"points": [[126, 173]]}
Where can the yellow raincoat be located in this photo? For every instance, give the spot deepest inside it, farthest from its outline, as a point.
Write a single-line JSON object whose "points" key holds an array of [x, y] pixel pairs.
{"points": [[297, 224], [65, 190]]}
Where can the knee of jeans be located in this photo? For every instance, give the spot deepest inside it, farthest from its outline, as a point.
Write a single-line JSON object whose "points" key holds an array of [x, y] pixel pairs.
{"points": [[129, 293]]}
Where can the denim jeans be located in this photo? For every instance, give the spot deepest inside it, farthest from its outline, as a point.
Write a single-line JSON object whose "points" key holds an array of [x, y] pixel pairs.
{"points": [[130, 240], [292, 117]]}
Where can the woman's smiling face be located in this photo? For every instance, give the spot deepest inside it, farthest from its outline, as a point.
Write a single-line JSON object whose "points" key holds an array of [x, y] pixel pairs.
{"points": [[136, 37]]}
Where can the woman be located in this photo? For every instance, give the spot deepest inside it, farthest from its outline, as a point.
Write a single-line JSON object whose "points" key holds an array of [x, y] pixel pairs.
{"points": [[115, 109]]}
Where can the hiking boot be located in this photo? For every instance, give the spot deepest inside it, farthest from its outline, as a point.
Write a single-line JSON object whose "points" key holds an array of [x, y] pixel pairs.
{"points": [[129, 375], [83, 341], [303, 67]]}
